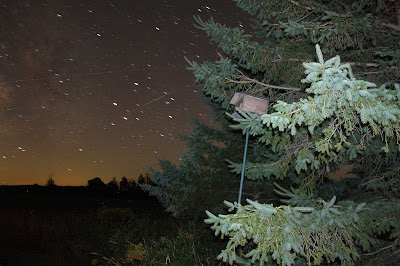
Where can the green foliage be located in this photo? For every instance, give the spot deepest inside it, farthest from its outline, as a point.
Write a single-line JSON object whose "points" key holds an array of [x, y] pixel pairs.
{"points": [[201, 180], [284, 233], [321, 231], [174, 248], [356, 32], [179, 250], [343, 118], [188, 187], [136, 253], [330, 117], [316, 230]]}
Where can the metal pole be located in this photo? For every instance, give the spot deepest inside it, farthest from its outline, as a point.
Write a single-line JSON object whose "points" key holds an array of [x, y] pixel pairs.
{"points": [[243, 167]]}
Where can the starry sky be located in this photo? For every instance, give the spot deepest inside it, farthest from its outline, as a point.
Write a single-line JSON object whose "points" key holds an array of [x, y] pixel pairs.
{"points": [[99, 88]]}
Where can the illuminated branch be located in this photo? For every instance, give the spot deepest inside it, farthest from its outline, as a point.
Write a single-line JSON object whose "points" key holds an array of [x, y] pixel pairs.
{"points": [[391, 26], [250, 80]]}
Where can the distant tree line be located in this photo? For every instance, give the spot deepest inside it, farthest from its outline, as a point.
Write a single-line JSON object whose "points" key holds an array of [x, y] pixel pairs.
{"points": [[97, 185], [125, 185]]}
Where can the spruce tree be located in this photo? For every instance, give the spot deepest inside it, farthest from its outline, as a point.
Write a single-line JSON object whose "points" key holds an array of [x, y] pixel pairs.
{"points": [[200, 179], [330, 70], [343, 119]]}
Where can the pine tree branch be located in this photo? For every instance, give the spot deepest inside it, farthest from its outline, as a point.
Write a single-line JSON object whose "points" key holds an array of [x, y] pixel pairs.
{"points": [[247, 79], [298, 4], [382, 249], [350, 63], [391, 26], [362, 64], [398, 16]]}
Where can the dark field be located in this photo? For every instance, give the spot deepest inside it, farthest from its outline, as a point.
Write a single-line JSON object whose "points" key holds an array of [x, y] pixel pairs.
{"points": [[74, 226], [71, 226]]}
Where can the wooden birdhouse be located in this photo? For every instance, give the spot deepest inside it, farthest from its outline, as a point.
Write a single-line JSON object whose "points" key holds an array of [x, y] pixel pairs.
{"points": [[250, 103]]}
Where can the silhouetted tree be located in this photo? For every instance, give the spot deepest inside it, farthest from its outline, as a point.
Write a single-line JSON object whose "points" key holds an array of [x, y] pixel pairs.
{"points": [[141, 179], [50, 182], [144, 179], [147, 178], [96, 184], [133, 185], [125, 185], [113, 185]]}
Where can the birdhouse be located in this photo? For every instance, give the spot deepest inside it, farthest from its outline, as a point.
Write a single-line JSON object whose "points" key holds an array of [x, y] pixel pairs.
{"points": [[250, 103]]}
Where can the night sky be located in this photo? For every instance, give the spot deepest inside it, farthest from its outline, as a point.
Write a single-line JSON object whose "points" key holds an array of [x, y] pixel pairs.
{"points": [[99, 88]]}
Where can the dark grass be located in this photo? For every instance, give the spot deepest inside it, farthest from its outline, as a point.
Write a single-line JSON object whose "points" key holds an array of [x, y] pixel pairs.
{"points": [[47, 227], [43, 226]]}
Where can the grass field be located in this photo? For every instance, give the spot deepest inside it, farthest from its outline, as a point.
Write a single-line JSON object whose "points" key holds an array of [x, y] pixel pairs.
{"points": [[44, 227], [56, 228]]}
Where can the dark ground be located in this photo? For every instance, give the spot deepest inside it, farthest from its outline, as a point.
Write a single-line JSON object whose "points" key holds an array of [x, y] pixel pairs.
{"points": [[64, 225]]}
